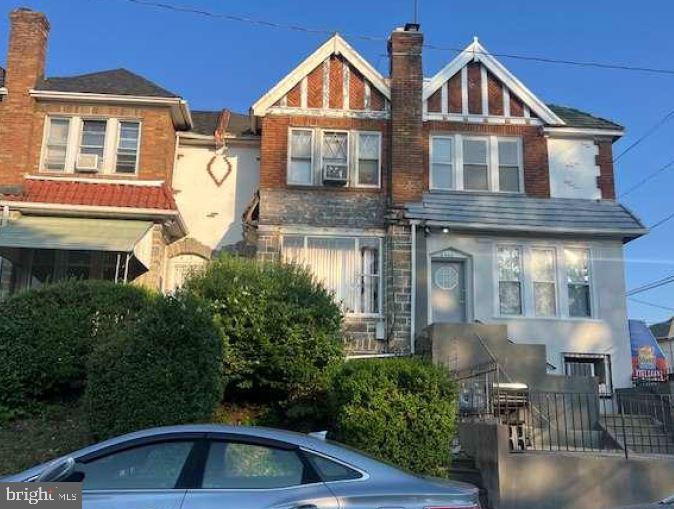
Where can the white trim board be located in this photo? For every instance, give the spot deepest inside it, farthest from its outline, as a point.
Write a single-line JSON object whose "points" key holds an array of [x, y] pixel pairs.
{"points": [[475, 52], [334, 45]]}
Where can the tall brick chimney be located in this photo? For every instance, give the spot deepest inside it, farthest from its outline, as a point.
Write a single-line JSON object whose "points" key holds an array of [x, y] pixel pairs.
{"points": [[25, 67], [407, 79]]}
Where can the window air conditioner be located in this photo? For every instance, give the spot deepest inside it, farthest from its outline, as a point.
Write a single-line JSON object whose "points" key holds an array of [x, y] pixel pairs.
{"points": [[336, 173], [87, 163]]}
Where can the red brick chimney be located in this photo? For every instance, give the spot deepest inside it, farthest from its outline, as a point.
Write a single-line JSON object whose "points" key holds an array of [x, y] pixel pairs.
{"points": [[25, 67], [407, 79]]}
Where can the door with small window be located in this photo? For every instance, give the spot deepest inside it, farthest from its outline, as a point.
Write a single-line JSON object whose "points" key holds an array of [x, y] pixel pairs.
{"points": [[448, 291], [246, 475]]}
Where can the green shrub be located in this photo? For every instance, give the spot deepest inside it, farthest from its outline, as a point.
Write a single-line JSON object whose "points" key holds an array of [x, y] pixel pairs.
{"points": [[166, 368], [283, 328], [400, 410], [47, 334]]}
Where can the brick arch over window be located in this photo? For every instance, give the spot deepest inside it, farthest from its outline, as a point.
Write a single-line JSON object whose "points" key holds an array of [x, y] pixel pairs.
{"points": [[188, 246]]}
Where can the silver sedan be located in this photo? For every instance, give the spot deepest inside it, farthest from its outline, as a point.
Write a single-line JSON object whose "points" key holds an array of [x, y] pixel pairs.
{"points": [[222, 467]]}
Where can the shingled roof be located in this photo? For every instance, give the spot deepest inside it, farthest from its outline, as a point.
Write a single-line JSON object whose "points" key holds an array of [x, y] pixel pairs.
{"points": [[206, 122], [114, 81], [519, 213], [576, 118]]}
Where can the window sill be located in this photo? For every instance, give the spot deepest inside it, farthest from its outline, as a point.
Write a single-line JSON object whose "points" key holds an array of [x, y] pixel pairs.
{"points": [[475, 191], [548, 318], [339, 189], [360, 316]]}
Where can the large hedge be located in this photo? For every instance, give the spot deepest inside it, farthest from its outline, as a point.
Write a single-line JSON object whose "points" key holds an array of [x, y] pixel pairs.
{"points": [[401, 410], [166, 368], [283, 328], [46, 336]]}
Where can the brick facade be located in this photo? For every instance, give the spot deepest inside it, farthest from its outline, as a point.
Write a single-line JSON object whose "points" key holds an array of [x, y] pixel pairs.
{"points": [[606, 179]]}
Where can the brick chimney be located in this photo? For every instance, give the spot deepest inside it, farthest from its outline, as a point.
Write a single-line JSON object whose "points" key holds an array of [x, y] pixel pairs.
{"points": [[25, 67], [407, 79]]}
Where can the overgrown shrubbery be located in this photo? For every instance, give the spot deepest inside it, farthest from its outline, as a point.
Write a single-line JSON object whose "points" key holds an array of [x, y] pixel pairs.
{"points": [[166, 368], [282, 327], [401, 410], [46, 336]]}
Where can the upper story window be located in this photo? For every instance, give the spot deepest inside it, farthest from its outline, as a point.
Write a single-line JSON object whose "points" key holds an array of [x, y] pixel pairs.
{"points": [[578, 281], [91, 145], [334, 158], [476, 163]]}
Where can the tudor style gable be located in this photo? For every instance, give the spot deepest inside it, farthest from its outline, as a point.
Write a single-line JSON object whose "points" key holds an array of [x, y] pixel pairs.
{"points": [[333, 81], [477, 87]]}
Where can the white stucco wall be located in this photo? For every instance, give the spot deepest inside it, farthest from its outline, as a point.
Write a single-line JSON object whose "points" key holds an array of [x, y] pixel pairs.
{"points": [[573, 168], [605, 333], [212, 212]]}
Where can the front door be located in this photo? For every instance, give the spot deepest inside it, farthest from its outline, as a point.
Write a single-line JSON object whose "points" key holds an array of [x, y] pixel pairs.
{"points": [[448, 291]]}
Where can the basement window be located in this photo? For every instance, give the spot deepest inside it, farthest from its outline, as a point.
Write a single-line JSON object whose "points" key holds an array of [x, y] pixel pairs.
{"points": [[590, 365]]}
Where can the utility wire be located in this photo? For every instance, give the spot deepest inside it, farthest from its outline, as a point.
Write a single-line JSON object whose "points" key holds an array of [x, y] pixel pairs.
{"points": [[648, 178], [652, 285], [647, 134], [662, 221], [300, 28], [652, 304]]}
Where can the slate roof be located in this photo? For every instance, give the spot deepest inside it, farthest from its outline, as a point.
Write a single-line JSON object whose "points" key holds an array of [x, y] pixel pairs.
{"points": [[114, 81], [577, 118], [663, 329], [206, 122], [518, 213], [102, 194]]}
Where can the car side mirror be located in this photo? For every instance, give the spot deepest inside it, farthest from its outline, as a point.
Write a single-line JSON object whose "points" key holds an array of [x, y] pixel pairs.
{"points": [[57, 470]]}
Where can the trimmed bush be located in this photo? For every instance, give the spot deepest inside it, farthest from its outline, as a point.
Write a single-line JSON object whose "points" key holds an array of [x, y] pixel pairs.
{"points": [[283, 328], [164, 369], [46, 336], [400, 410]]}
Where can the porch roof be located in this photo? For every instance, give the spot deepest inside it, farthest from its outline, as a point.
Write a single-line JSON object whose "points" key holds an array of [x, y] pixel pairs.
{"points": [[42, 232], [519, 213]]}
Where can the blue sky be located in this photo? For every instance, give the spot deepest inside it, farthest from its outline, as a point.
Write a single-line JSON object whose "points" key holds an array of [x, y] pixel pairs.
{"points": [[216, 63]]}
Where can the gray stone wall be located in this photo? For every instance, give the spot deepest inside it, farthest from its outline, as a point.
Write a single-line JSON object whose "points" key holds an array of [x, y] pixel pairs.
{"points": [[322, 207], [398, 287]]}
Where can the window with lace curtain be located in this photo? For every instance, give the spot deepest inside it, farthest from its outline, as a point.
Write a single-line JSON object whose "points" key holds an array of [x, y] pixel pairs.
{"points": [[348, 266]]}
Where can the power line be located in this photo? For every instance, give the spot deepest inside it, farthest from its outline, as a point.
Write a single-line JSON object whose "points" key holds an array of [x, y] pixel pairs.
{"points": [[652, 304], [647, 134], [373, 38], [662, 221], [648, 178], [651, 286]]}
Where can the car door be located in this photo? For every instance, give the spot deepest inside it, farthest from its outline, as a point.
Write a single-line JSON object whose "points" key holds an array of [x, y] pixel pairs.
{"points": [[246, 473], [141, 475]]}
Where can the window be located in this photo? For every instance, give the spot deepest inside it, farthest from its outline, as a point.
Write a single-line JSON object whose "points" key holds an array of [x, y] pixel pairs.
{"points": [[335, 157], [350, 267], [331, 471], [181, 268], [475, 164], [301, 157], [92, 141], [152, 466], [510, 280], [368, 170], [127, 147], [442, 162], [244, 466], [57, 144], [592, 365], [544, 275], [578, 281], [509, 166]]}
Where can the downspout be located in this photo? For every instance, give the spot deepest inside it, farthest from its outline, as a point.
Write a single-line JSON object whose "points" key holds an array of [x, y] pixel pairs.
{"points": [[413, 292]]}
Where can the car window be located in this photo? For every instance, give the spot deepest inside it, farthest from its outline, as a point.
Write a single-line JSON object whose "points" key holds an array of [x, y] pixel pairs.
{"points": [[232, 465], [152, 466], [331, 470]]}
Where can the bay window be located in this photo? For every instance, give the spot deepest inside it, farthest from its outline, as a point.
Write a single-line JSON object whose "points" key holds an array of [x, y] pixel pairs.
{"points": [[442, 162], [301, 157], [544, 277], [475, 164], [510, 280], [348, 266], [368, 168], [57, 144], [578, 281]]}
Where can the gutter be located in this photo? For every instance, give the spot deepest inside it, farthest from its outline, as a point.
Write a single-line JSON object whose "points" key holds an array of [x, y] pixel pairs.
{"points": [[581, 132]]}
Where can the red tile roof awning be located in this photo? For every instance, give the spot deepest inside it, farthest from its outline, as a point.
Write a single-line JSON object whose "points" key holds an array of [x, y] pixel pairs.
{"points": [[97, 194]]}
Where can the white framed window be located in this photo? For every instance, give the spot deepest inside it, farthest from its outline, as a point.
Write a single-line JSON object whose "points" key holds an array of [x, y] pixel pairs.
{"points": [[544, 281], [368, 157], [335, 157], [56, 148], [128, 141], [442, 162], [578, 281], [509, 165], [300, 157], [476, 164], [92, 143], [590, 365], [348, 266], [509, 266]]}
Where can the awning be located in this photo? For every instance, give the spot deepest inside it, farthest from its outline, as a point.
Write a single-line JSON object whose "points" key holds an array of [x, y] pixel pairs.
{"points": [[70, 233]]}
